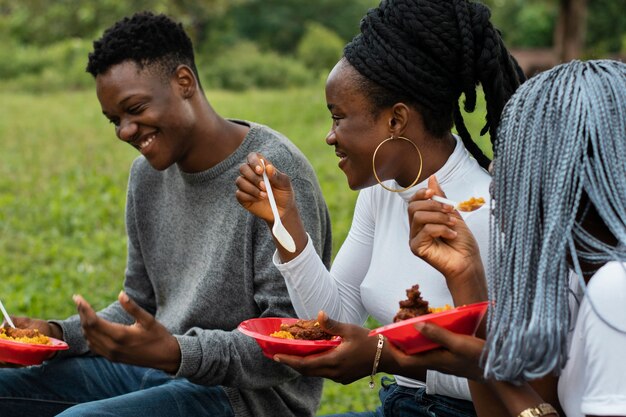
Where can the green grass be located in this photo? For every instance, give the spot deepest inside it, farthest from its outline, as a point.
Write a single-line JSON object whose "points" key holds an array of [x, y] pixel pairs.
{"points": [[63, 179]]}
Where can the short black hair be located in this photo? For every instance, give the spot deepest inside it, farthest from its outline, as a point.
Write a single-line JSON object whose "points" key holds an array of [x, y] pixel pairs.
{"points": [[149, 40], [427, 53]]}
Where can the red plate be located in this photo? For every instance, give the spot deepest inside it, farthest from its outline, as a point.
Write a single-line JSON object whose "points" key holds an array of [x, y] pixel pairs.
{"points": [[261, 328], [27, 353], [404, 336]]}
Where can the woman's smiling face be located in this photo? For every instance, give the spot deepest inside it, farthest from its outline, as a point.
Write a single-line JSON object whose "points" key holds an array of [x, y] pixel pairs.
{"points": [[356, 131], [148, 111]]}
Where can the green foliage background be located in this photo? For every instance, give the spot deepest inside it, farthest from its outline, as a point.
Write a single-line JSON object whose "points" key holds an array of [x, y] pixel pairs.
{"points": [[244, 44]]}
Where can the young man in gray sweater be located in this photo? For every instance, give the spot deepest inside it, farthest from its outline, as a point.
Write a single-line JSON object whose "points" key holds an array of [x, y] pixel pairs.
{"points": [[198, 263]]}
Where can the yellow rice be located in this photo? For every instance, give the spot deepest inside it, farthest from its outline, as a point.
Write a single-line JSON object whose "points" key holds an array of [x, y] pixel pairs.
{"points": [[439, 309], [40, 339], [283, 334]]}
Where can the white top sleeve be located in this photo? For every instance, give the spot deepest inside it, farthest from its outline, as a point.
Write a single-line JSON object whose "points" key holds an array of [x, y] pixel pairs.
{"points": [[313, 288]]}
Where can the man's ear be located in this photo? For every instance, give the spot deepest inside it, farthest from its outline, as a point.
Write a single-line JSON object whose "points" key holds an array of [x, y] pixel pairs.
{"points": [[186, 81], [399, 119]]}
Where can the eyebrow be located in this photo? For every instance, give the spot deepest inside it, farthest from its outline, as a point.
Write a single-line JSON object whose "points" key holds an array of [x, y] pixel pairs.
{"points": [[125, 99]]}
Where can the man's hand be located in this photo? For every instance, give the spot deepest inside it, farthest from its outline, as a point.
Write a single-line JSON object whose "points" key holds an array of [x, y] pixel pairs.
{"points": [[144, 343]]}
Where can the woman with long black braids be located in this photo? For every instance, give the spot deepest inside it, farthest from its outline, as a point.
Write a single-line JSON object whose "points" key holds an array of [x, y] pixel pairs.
{"points": [[394, 98]]}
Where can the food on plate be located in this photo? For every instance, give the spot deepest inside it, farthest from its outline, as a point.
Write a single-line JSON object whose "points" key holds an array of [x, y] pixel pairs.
{"points": [[472, 204], [31, 336], [302, 330], [415, 306]]}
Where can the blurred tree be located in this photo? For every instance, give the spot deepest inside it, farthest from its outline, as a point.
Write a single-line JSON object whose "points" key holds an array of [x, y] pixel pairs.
{"points": [[280, 24], [320, 48], [243, 66], [575, 28], [43, 22], [200, 16], [606, 28], [569, 33]]}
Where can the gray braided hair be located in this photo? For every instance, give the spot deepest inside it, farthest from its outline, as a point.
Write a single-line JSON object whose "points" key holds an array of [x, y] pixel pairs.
{"points": [[561, 151]]}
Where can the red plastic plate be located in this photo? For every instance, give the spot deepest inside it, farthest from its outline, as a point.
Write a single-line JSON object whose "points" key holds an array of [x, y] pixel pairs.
{"points": [[28, 354], [261, 328], [404, 336]]}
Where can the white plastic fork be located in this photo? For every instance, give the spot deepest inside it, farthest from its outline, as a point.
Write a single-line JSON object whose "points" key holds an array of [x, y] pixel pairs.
{"points": [[6, 315], [280, 233], [445, 201]]}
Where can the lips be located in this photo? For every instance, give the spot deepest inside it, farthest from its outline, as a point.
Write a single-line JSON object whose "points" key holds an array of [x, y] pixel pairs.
{"points": [[342, 158], [340, 155], [143, 144]]}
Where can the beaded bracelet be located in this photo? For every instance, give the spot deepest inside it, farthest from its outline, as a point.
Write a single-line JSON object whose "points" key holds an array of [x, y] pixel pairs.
{"points": [[379, 350], [540, 410]]}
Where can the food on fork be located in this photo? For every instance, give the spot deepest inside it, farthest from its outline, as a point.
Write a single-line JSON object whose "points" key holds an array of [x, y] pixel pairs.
{"points": [[31, 336], [472, 204], [302, 330], [415, 306]]}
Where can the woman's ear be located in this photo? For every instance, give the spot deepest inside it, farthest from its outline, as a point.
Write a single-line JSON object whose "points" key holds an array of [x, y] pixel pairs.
{"points": [[399, 119], [186, 81]]}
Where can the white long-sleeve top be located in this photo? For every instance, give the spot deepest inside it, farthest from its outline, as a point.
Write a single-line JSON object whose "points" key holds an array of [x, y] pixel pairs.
{"points": [[375, 265]]}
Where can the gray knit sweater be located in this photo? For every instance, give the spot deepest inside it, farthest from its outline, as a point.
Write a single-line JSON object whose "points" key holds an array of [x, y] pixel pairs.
{"points": [[202, 264]]}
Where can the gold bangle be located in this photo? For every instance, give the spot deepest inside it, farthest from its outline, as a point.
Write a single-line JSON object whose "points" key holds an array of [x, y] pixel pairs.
{"points": [[379, 350], [540, 410]]}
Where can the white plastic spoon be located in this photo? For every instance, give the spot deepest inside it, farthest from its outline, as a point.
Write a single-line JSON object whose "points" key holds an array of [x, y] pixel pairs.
{"points": [[6, 315], [280, 233]]}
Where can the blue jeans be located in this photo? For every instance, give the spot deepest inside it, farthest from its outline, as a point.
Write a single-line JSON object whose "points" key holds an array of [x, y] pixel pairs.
{"points": [[397, 401], [94, 386]]}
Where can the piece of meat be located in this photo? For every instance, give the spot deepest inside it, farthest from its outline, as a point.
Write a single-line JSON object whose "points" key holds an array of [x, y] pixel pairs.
{"points": [[11, 332], [306, 330], [413, 306]]}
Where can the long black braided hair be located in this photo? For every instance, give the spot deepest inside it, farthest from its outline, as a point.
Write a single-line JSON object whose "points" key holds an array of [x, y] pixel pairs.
{"points": [[426, 53]]}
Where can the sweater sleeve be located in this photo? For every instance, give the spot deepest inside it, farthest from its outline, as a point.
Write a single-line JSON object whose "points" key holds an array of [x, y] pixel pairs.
{"points": [[313, 288]]}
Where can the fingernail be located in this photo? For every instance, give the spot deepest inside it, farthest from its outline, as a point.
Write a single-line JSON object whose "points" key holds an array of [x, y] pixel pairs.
{"points": [[419, 326], [277, 359], [124, 296]]}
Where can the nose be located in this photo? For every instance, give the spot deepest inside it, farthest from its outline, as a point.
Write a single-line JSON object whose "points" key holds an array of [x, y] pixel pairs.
{"points": [[331, 138], [126, 130]]}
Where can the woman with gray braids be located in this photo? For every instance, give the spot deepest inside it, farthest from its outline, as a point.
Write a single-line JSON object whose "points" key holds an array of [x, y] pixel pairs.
{"points": [[559, 199], [393, 99]]}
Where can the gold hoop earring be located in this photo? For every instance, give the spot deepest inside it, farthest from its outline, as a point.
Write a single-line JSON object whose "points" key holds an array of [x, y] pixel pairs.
{"points": [[374, 164]]}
